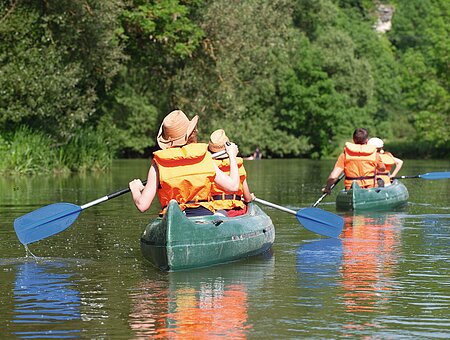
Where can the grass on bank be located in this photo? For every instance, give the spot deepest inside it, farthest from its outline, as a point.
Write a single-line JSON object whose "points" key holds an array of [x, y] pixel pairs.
{"points": [[28, 152]]}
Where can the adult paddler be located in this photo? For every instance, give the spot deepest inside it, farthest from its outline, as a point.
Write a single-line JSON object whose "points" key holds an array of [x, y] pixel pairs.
{"points": [[233, 204], [359, 161], [183, 170]]}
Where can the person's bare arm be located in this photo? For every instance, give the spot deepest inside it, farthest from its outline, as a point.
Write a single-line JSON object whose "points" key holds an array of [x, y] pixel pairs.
{"points": [[332, 178], [248, 196], [398, 166], [229, 183], [143, 195]]}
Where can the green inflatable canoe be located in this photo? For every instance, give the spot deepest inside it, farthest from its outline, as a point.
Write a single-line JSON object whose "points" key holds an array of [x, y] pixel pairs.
{"points": [[176, 242], [391, 197]]}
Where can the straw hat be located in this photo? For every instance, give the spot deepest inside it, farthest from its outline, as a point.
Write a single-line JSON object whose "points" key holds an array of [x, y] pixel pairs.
{"points": [[377, 142], [175, 129], [217, 141]]}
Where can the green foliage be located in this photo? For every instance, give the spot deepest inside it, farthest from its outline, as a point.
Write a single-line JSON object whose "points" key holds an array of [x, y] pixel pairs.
{"points": [[421, 31], [94, 78], [161, 26], [55, 58], [414, 150], [26, 151], [132, 119], [332, 87], [158, 37], [312, 16], [37, 88], [87, 150], [232, 82]]}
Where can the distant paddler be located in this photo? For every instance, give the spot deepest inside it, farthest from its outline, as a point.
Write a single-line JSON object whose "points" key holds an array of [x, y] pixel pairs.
{"points": [[360, 162]]}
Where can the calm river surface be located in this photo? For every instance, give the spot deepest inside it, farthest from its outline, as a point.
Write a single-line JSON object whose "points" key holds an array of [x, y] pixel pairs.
{"points": [[388, 276]]}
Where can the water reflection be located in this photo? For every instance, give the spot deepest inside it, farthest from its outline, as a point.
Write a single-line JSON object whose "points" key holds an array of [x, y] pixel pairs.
{"points": [[204, 303], [45, 297], [371, 247], [318, 263]]}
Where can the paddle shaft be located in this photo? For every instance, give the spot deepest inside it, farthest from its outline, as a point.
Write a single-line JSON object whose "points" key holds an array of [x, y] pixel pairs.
{"points": [[331, 188], [316, 220], [279, 207], [107, 197], [125, 190], [429, 175]]}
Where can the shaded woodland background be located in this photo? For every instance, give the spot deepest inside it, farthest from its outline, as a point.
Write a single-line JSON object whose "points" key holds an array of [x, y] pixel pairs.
{"points": [[86, 81]]}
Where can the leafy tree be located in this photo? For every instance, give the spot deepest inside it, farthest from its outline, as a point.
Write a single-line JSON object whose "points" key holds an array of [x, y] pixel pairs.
{"points": [[158, 37], [426, 98], [56, 57], [421, 31], [232, 82]]}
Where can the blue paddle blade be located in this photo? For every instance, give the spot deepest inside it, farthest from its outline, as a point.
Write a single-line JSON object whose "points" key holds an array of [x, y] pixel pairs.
{"points": [[435, 175], [321, 221], [45, 222]]}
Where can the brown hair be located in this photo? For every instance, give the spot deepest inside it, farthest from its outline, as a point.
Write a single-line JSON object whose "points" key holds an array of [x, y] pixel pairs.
{"points": [[360, 136]]}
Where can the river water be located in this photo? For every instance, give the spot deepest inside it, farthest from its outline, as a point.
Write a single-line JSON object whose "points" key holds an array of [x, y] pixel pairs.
{"points": [[387, 276]]}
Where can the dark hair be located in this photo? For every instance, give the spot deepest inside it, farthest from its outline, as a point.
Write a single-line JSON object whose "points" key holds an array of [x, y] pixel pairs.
{"points": [[360, 136]]}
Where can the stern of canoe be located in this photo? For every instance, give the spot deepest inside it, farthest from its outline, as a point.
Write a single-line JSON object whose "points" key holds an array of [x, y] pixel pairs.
{"points": [[374, 199], [204, 241], [153, 243]]}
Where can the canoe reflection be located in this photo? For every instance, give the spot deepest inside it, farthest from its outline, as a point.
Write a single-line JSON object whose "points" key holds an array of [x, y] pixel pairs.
{"points": [[371, 246], [358, 269], [45, 297], [204, 303]]}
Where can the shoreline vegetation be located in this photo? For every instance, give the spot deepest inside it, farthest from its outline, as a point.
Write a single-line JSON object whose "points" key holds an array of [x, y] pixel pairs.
{"points": [[83, 82], [26, 152]]}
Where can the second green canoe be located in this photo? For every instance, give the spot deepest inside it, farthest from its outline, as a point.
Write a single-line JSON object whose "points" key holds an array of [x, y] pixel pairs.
{"points": [[176, 242], [387, 198]]}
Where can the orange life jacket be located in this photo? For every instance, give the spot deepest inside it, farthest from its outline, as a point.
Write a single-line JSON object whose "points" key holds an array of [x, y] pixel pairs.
{"points": [[223, 200], [186, 174], [388, 161], [360, 164]]}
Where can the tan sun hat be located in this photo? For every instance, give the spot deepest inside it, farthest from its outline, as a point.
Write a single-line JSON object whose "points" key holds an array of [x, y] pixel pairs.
{"points": [[377, 142], [217, 141], [175, 129]]}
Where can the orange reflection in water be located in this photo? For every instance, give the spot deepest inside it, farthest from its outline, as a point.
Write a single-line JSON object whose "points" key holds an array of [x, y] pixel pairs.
{"points": [[186, 312], [150, 307], [370, 251]]}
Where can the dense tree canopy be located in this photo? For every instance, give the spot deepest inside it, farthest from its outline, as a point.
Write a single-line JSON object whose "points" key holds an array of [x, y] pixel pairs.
{"points": [[292, 77]]}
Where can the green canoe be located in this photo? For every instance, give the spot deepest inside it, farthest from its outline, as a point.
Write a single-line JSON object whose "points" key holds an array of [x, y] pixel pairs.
{"points": [[176, 242], [387, 198]]}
